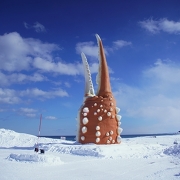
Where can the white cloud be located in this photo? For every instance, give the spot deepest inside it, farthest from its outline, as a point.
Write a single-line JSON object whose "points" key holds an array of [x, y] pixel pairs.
{"points": [[88, 48], [2, 110], [150, 25], [50, 117], [59, 67], [163, 77], [10, 96], [17, 78], [164, 71], [17, 53], [4, 80], [67, 84], [37, 48], [35, 92], [94, 67], [26, 25], [31, 115], [14, 53], [28, 110], [120, 43], [37, 27], [155, 26], [157, 100]]}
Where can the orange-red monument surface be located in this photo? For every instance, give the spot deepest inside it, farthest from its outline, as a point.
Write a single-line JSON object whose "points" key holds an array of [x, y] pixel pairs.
{"points": [[98, 119]]}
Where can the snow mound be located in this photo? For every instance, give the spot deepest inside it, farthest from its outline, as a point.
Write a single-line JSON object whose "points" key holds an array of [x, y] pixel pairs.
{"points": [[80, 150], [173, 150], [9, 138], [12, 139], [33, 158]]}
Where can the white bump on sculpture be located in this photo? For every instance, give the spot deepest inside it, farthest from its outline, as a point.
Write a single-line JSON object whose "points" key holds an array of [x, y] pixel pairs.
{"points": [[100, 118], [97, 128], [119, 123], [117, 109], [86, 109], [82, 138], [119, 130], [118, 117], [98, 133], [97, 140], [85, 120], [118, 139], [84, 129]]}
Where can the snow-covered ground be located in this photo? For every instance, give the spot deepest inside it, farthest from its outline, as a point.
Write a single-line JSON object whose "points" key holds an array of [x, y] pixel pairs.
{"points": [[135, 158]]}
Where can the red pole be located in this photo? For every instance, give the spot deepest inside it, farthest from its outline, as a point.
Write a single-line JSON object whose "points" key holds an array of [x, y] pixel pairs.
{"points": [[40, 124], [39, 132]]}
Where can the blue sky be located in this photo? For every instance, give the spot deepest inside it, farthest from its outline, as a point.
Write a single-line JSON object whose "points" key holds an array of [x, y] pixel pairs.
{"points": [[41, 69]]}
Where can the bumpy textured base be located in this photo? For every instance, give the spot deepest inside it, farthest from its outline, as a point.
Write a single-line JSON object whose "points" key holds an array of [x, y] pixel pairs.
{"points": [[98, 121]]}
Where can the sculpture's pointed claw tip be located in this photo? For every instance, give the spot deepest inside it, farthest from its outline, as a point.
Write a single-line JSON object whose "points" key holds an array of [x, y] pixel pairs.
{"points": [[89, 89], [83, 55], [97, 37]]}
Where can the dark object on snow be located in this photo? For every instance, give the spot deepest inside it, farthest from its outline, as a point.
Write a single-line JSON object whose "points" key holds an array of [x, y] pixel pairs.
{"points": [[42, 151], [36, 149]]}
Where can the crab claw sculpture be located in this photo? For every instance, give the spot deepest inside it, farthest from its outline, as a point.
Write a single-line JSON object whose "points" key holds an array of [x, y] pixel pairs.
{"points": [[98, 119]]}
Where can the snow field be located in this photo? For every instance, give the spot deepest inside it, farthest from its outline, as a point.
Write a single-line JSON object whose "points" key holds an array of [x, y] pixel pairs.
{"points": [[135, 158]]}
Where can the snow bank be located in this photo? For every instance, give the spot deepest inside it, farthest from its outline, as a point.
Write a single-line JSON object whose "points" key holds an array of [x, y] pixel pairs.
{"points": [[80, 150], [32, 158], [12, 139], [9, 138], [141, 147]]}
